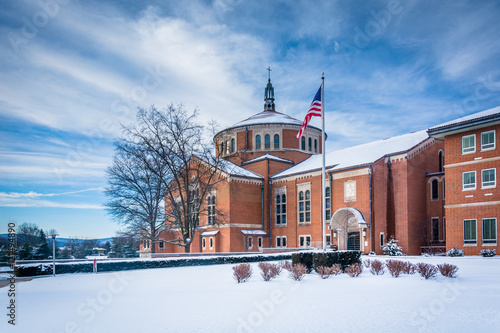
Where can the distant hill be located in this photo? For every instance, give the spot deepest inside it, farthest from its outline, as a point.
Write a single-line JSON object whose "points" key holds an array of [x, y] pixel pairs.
{"points": [[60, 242]]}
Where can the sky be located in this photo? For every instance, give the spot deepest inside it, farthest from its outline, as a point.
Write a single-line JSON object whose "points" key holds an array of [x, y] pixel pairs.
{"points": [[72, 72]]}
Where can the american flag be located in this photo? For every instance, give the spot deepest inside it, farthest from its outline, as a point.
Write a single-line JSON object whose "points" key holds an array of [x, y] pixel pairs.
{"points": [[314, 111]]}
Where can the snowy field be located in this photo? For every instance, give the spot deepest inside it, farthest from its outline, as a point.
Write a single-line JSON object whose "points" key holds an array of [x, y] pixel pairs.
{"points": [[207, 299]]}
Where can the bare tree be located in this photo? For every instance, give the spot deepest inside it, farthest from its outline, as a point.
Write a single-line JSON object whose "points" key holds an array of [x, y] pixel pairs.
{"points": [[183, 163], [135, 189], [28, 233]]}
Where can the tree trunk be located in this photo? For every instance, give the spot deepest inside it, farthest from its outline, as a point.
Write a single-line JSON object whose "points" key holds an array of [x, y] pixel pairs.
{"points": [[187, 248]]}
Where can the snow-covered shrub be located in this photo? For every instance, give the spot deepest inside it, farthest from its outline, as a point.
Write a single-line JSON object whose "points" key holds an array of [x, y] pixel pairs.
{"points": [[426, 270], [269, 271], [285, 264], [305, 258], [455, 252], [366, 262], [377, 267], [448, 270], [392, 248], [354, 270], [298, 272], [325, 272], [408, 267], [488, 252], [327, 259], [395, 267], [242, 272]]}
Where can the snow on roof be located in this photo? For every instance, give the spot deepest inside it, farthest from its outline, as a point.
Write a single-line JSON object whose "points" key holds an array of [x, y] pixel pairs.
{"points": [[474, 116], [209, 233], [254, 232], [359, 155], [269, 157], [235, 170], [269, 117]]}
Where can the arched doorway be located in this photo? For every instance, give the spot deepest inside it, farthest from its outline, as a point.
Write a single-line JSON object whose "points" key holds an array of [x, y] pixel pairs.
{"points": [[349, 224]]}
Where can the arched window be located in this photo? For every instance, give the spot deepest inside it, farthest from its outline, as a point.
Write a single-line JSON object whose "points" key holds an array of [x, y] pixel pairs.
{"points": [[315, 145], [435, 190], [276, 141], [257, 141], [303, 143], [304, 207], [232, 145], [441, 161], [228, 147], [211, 210], [267, 141], [310, 144]]}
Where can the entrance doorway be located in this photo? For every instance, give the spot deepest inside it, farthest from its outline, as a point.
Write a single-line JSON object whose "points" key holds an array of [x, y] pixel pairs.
{"points": [[353, 241]]}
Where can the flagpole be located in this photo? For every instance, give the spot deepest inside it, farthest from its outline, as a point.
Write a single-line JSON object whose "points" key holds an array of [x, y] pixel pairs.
{"points": [[323, 180]]}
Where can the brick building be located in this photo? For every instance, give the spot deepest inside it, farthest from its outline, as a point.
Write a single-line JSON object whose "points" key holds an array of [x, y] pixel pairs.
{"points": [[470, 164], [270, 191]]}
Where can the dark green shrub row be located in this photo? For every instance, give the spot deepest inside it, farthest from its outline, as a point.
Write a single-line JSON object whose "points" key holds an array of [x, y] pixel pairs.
{"points": [[312, 260], [113, 266]]}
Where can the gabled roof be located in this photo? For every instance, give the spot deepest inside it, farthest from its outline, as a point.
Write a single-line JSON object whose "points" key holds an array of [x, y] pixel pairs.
{"points": [[483, 118], [358, 156], [268, 157], [235, 170]]}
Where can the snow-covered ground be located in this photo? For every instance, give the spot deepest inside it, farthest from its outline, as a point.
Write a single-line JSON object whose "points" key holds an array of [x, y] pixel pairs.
{"points": [[207, 299]]}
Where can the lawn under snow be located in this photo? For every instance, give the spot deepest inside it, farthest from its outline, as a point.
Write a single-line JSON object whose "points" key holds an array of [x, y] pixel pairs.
{"points": [[207, 299]]}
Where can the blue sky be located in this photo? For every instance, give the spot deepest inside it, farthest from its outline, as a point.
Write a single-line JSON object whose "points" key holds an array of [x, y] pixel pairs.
{"points": [[72, 71]]}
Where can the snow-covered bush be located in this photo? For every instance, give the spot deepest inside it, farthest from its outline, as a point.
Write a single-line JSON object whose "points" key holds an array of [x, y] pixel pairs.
{"points": [[426, 270], [285, 264], [298, 272], [354, 270], [448, 270], [377, 267], [392, 248], [242, 272], [408, 267], [488, 252], [325, 272], [395, 267], [455, 252], [366, 262], [269, 271]]}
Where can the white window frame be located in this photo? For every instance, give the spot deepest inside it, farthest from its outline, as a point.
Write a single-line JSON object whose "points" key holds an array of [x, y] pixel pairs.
{"points": [[494, 141], [470, 188], [304, 187], [305, 240], [281, 239], [211, 243], [250, 242], [470, 242], [260, 243], [212, 208], [468, 151], [203, 243], [161, 244], [494, 182], [492, 241], [280, 191]]}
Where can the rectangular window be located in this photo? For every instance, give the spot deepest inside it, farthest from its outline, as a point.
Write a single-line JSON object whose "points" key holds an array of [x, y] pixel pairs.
{"points": [[305, 206], [488, 178], [468, 144], [328, 204], [203, 243], [435, 229], [161, 245], [211, 243], [304, 241], [469, 180], [489, 231], [280, 209], [470, 235], [381, 239], [488, 140], [278, 241], [435, 190], [211, 204], [260, 241], [328, 240], [250, 245]]}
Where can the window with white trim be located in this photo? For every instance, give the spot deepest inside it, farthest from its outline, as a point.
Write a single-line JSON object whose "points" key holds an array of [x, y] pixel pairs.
{"points": [[257, 142], [260, 242], [305, 241], [470, 232], [161, 244], [276, 141], [233, 145], [303, 143], [315, 145], [211, 204], [281, 241], [328, 240], [211, 241], [434, 189], [267, 141], [305, 206], [250, 242], [488, 178], [328, 204], [280, 208], [469, 180], [310, 144], [490, 231], [468, 144], [488, 140], [203, 243]]}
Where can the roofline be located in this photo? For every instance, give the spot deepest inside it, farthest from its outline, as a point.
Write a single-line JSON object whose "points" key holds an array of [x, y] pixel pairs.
{"points": [[470, 124], [262, 158], [301, 172], [260, 124]]}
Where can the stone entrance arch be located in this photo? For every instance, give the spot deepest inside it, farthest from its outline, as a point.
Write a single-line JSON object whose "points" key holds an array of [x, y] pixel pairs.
{"points": [[349, 224]]}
